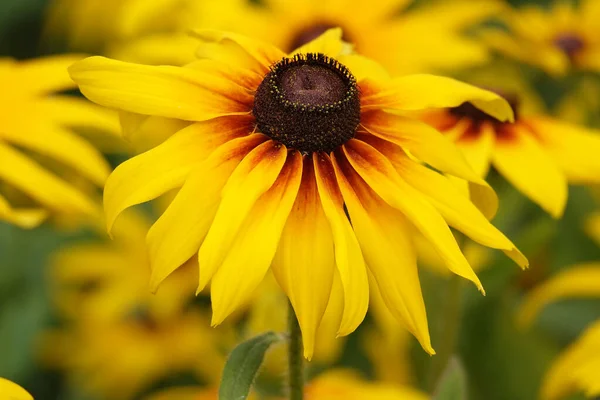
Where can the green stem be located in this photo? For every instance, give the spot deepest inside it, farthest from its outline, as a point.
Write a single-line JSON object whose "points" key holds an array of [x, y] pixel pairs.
{"points": [[449, 330], [295, 357]]}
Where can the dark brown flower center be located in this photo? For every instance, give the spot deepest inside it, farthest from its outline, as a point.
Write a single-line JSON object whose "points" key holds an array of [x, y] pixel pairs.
{"points": [[309, 103], [310, 33], [569, 43], [478, 117]]}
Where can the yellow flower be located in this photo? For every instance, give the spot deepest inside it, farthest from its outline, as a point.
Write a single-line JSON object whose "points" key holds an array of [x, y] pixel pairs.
{"points": [[537, 154], [118, 360], [12, 391], [36, 125], [558, 39], [576, 368], [417, 40], [278, 146], [105, 281]]}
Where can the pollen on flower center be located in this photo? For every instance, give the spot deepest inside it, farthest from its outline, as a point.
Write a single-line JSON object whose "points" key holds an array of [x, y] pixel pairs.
{"points": [[570, 44], [309, 103]]}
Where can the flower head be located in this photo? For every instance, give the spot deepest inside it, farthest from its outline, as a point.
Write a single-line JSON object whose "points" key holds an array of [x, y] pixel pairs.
{"points": [[300, 163], [556, 40], [37, 137], [536, 153]]}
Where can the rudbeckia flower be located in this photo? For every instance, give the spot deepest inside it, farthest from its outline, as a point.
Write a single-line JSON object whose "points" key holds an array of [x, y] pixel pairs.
{"points": [[576, 368], [562, 38], [537, 154], [105, 281], [120, 360], [152, 32], [12, 391], [278, 149], [36, 136]]}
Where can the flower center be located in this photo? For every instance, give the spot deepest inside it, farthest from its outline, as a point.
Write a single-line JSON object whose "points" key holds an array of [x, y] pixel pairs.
{"points": [[310, 33], [569, 43], [468, 110], [309, 103]]}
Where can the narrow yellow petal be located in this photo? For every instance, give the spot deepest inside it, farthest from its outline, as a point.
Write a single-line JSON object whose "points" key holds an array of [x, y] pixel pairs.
{"points": [[329, 43], [348, 256], [253, 176], [478, 149], [172, 92], [148, 175], [525, 164], [421, 140], [46, 74], [179, 232], [145, 132], [380, 175], [574, 282], [304, 263], [419, 92], [12, 391], [251, 252], [388, 250], [41, 185], [457, 209], [78, 113]]}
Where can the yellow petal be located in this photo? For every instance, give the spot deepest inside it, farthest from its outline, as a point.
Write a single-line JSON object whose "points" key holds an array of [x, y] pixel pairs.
{"points": [[156, 49], [574, 148], [78, 113], [525, 164], [329, 43], [266, 54], [381, 176], [42, 186], [24, 218], [419, 92], [12, 391], [478, 149], [304, 263], [179, 232], [348, 256], [253, 176], [456, 208], [46, 74], [422, 140], [592, 227], [146, 132], [251, 252], [172, 92], [363, 67], [574, 282], [389, 252], [63, 146], [147, 176]]}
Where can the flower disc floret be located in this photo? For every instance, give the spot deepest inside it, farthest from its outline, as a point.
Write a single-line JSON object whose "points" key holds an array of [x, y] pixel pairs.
{"points": [[309, 103]]}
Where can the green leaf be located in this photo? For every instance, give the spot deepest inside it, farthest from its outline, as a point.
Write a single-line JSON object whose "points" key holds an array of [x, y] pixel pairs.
{"points": [[453, 384], [243, 365]]}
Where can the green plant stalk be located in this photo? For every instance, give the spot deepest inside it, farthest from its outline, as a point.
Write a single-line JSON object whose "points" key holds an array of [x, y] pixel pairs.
{"points": [[449, 331], [295, 357]]}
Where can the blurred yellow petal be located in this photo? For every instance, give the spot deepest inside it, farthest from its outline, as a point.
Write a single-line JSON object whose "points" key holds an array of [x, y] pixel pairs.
{"points": [[173, 92], [348, 256], [254, 176], [250, 255], [577, 281], [574, 148], [576, 369], [388, 250], [179, 232], [42, 186], [304, 263], [381, 176], [329, 43], [592, 227], [23, 217], [12, 391], [478, 149], [148, 175], [46, 74], [406, 93], [525, 164]]}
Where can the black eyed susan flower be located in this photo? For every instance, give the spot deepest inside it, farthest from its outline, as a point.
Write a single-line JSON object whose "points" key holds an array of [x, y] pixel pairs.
{"points": [[557, 40], [536, 153], [36, 135], [279, 148]]}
